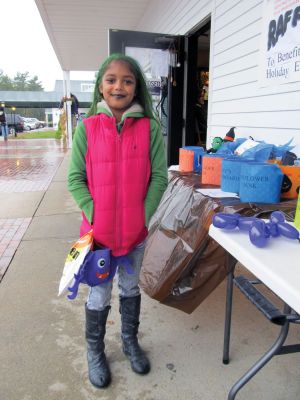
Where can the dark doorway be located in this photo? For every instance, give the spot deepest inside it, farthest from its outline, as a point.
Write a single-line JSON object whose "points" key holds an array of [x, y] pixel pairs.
{"points": [[192, 52], [197, 45], [166, 88]]}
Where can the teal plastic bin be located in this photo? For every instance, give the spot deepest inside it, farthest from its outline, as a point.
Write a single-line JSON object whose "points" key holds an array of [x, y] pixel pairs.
{"points": [[260, 183]]}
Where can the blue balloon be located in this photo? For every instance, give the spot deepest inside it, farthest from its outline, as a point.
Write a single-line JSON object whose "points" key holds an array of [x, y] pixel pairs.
{"points": [[288, 230], [257, 233], [259, 230], [272, 229], [245, 223], [277, 216], [225, 221]]}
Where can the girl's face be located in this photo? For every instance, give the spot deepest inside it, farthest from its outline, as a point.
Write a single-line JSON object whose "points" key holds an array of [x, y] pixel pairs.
{"points": [[118, 87]]}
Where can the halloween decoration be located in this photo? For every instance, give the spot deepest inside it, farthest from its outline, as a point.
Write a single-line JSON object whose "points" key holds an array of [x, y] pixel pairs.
{"points": [[215, 145], [259, 230], [98, 267]]}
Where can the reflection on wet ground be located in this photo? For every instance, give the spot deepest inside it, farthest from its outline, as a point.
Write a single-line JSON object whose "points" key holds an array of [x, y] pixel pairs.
{"points": [[26, 165]]}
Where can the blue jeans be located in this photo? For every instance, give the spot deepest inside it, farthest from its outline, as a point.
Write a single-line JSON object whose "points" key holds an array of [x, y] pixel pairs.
{"points": [[4, 131], [100, 296]]}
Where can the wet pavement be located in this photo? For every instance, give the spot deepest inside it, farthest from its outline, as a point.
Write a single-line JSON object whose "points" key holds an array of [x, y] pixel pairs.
{"points": [[26, 165], [11, 233], [43, 350]]}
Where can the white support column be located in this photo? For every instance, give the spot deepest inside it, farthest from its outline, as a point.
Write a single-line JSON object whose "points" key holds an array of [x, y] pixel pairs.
{"points": [[67, 94]]}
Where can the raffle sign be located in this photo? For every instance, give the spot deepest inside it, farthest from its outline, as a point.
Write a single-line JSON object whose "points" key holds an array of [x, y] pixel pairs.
{"points": [[280, 46]]}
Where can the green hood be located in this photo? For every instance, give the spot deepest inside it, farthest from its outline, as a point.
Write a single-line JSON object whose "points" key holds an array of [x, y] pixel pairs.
{"points": [[135, 110]]}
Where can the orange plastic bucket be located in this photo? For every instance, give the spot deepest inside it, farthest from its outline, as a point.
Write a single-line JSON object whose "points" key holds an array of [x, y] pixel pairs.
{"points": [[290, 182], [211, 170], [186, 160]]}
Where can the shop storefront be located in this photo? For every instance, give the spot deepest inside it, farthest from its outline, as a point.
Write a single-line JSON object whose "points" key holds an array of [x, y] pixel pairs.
{"points": [[221, 72]]}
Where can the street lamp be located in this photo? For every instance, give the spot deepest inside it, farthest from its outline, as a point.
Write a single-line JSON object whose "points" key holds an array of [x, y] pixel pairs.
{"points": [[14, 110], [3, 125]]}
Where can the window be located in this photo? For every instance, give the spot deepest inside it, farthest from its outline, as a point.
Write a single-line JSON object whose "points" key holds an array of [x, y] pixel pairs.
{"points": [[87, 87]]}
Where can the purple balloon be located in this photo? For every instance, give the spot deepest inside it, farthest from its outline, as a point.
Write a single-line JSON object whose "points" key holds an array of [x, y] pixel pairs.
{"points": [[288, 230], [225, 221], [277, 216], [257, 233], [245, 223], [272, 229]]}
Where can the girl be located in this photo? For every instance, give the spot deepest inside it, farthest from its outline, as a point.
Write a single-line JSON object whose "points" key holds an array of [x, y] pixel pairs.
{"points": [[117, 176]]}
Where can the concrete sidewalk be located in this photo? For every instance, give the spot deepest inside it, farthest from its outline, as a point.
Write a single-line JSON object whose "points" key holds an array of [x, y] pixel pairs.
{"points": [[42, 336]]}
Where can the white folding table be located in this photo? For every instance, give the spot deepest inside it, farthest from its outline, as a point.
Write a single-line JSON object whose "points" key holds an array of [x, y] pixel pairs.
{"points": [[277, 266]]}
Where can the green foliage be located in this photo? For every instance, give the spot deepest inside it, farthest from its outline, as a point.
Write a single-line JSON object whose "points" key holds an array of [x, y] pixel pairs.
{"points": [[5, 82], [36, 135], [58, 132], [33, 84], [21, 82]]}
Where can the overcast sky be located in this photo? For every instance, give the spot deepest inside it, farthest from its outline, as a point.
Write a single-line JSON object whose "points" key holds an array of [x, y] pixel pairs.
{"points": [[25, 46]]}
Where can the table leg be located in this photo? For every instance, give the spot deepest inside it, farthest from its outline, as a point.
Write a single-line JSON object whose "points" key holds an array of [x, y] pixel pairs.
{"points": [[263, 360], [228, 310]]}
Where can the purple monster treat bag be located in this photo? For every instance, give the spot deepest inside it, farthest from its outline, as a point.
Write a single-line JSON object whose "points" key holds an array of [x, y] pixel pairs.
{"points": [[98, 267]]}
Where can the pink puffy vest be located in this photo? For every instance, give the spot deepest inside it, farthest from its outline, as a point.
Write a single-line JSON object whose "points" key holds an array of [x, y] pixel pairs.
{"points": [[118, 173]]}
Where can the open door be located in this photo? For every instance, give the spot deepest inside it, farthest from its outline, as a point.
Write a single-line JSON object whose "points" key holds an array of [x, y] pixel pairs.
{"points": [[197, 81], [162, 59]]}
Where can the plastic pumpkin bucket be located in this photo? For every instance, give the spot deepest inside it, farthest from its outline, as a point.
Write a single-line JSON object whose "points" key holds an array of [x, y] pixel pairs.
{"points": [[186, 160], [211, 170], [198, 153], [291, 181]]}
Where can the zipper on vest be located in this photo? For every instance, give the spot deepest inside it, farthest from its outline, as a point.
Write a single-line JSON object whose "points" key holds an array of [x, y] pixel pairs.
{"points": [[118, 192]]}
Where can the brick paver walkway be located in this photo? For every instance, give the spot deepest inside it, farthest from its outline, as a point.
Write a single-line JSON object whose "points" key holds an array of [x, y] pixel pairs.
{"points": [[26, 165], [11, 233]]}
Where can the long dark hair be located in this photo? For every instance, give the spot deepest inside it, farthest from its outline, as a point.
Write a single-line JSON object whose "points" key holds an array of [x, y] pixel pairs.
{"points": [[142, 95]]}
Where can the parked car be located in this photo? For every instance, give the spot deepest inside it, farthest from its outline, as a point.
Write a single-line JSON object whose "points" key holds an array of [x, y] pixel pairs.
{"points": [[29, 124], [36, 122], [42, 124], [14, 123]]}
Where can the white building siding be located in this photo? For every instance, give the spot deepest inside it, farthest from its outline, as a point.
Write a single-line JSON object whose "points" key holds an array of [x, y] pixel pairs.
{"points": [[235, 99], [174, 16]]}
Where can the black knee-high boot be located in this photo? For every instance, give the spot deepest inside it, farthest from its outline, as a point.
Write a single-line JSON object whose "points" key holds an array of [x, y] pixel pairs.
{"points": [[99, 373], [130, 312]]}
